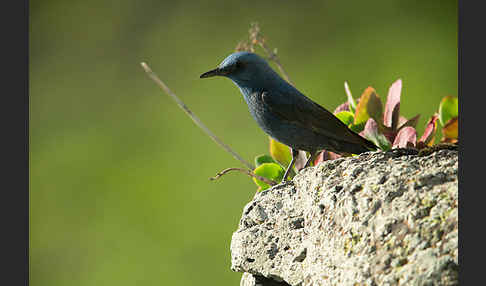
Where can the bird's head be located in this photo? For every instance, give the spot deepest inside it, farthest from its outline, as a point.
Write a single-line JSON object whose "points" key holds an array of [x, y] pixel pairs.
{"points": [[243, 67]]}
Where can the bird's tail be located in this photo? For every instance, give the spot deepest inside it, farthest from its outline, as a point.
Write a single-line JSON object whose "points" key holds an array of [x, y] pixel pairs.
{"points": [[360, 145], [368, 144]]}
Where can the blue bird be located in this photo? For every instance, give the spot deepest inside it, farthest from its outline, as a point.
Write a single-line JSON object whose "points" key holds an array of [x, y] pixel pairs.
{"points": [[285, 113]]}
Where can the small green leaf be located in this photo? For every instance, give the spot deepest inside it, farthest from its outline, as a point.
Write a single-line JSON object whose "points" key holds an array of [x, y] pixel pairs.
{"points": [[346, 117], [351, 102], [280, 152], [448, 109], [263, 159], [369, 106], [271, 171]]}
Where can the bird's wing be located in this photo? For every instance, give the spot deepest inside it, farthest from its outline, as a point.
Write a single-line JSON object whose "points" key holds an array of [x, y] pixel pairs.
{"points": [[302, 111]]}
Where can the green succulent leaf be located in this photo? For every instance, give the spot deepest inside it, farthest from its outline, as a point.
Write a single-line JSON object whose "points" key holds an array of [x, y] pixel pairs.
{"points": [[271, 171], [448, 109], [346, 117], [280, 152], [351, 102], [264, 159], [369, 106]]}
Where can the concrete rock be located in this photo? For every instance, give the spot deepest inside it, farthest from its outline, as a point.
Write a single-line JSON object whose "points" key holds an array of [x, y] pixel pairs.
{"points": [[380, 218]]}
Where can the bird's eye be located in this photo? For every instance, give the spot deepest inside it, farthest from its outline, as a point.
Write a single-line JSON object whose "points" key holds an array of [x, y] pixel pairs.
{"points": [[238, 65]]}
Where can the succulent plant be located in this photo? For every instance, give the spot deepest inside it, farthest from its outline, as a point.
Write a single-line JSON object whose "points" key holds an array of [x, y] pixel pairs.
{"points": [[388, 129], [383, 125]]}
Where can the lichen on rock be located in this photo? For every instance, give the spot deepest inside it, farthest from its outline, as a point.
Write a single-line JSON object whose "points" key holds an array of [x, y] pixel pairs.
{"points": [[380, 218]]}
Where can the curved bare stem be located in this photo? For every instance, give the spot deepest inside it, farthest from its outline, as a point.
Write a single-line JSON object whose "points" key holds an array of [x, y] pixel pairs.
{"points": [[244, 171], [256, 37], [193, 116], [273, 56]]}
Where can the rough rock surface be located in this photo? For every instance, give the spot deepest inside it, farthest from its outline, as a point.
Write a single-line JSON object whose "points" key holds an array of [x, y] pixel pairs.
{"points": [[380, 218]]}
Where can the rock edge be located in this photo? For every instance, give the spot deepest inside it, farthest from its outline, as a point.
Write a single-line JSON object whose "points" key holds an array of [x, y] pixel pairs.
{"points": [[380, 218]]}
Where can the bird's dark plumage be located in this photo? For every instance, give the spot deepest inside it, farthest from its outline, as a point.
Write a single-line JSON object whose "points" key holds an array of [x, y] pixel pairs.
{"points": [[285, 113]]}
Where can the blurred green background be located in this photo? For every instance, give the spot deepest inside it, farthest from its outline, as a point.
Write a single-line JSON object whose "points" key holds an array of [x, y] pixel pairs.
{"points": [[119, 189]]}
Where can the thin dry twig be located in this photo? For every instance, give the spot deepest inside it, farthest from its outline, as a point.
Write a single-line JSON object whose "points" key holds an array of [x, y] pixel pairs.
{"points": [[245, 171], [257, 38], [194, 118]]}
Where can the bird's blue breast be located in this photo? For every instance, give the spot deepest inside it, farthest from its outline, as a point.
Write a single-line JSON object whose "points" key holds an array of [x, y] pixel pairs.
{"points": [[269, 122], [265, 119]]}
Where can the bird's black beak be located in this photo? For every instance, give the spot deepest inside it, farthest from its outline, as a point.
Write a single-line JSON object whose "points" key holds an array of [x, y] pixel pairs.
{"points": [[211, 73]]}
